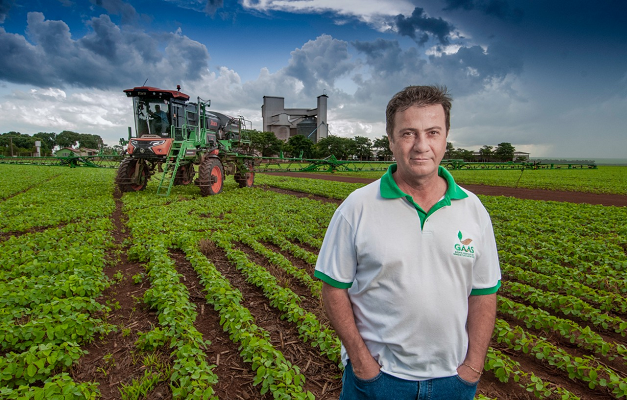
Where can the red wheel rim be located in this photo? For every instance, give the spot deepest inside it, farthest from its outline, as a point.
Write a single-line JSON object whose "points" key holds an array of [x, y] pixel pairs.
{"points": [[250, 178], [217, 173]]}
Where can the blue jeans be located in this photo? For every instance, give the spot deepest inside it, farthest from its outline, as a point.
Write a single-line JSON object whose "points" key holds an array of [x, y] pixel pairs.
{"points": [[388, 387]]}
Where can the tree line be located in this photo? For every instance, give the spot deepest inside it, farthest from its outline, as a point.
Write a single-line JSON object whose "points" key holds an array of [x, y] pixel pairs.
{"points": [[362, 148], [19, 144], [266, 143]]}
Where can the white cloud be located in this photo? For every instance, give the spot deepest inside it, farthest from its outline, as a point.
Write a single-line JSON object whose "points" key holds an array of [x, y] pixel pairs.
{"points": [[372, 12], [53, 93], [97, 112], [439, 51]]}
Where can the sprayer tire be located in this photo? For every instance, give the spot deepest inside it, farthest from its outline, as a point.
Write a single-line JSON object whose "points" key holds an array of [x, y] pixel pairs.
{"points": [[184, 176], [245, 180], [126, 171], [211, 176]]}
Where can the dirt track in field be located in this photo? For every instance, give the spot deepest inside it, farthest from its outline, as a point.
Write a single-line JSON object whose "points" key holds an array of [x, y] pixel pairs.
{"points": [[521, 193]]}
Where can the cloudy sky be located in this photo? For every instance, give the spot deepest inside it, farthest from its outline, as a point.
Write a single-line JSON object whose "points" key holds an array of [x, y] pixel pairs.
{"points": [[550, 77]]}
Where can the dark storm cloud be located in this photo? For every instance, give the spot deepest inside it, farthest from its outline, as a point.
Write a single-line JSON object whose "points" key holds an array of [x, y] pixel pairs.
{"points": [[21, 61], [107, 57], [319, 63], [5, 6], [213, 6], [186, 58], [471, 69], [386, 56], [467, 71], [497, 8], [419, 27]]}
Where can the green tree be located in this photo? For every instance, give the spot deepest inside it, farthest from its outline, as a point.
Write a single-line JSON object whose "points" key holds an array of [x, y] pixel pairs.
{"points": [[340, 147], [363, 148], [382, 146], [266, 143], [299, 145], [486, 153], [466, 155], [88, 141], [450, 152], [67, 139], [17, 144], [504, 152]]}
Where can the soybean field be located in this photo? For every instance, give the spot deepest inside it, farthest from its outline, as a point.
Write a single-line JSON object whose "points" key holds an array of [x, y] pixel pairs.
{"points": [[138, 296]]}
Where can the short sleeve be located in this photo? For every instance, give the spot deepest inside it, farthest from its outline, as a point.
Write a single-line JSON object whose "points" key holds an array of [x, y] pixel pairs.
{"points": [[337, 260]]}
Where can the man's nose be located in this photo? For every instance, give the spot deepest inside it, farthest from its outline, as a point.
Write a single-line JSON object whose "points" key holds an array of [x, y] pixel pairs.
{"points": [[420, 143]]}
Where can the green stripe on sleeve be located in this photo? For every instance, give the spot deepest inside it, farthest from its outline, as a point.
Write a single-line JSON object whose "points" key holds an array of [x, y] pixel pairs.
{"points": [[479, 292], [327, 279]]}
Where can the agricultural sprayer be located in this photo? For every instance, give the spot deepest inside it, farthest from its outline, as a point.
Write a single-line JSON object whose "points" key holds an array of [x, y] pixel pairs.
{"points": [[174, 137]]}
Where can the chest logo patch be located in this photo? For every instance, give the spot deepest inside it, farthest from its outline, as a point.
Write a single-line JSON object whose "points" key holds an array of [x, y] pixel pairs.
{"points": [[463, 248]]}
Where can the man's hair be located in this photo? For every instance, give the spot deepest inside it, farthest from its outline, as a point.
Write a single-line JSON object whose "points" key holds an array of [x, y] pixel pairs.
{"points": [[420, 96]]}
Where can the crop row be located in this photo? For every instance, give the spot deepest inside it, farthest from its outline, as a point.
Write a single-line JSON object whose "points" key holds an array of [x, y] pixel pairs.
{"points": [[273, 371], [49, 282], [284, 299], [572, 332], [598, 281], [605, 301], [59, 200], [191, 377], [586, 368], [613, 267], [18, 178], [315, 286], [504, 369], [567, 305]]}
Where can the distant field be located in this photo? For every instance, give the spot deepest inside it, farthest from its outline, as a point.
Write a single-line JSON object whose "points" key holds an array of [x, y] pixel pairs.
{"points": [[604, 179]]}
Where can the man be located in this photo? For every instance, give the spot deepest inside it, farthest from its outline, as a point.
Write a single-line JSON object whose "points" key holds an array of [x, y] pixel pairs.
{"points": [[161, 119], [410, 268]]}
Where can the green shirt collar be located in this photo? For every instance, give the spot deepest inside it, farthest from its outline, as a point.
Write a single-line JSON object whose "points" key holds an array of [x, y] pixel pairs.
{"points": [[390, 190]]}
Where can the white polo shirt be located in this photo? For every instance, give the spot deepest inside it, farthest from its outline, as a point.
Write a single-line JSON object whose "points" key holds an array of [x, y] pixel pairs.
{"points": [[409, 273]]}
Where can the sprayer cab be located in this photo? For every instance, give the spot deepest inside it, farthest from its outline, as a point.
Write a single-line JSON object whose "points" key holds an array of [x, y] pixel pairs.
{"points": [[155, 110]]}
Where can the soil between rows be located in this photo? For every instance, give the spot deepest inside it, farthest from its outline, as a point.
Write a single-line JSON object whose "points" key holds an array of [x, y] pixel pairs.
{"points": [[110, 361]]}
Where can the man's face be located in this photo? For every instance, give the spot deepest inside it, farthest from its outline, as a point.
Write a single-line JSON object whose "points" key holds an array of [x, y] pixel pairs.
{"points": [[418, 141]]}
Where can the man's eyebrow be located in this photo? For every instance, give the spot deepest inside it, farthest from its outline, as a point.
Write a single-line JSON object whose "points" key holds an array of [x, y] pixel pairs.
{"points": [[411, 128]]}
